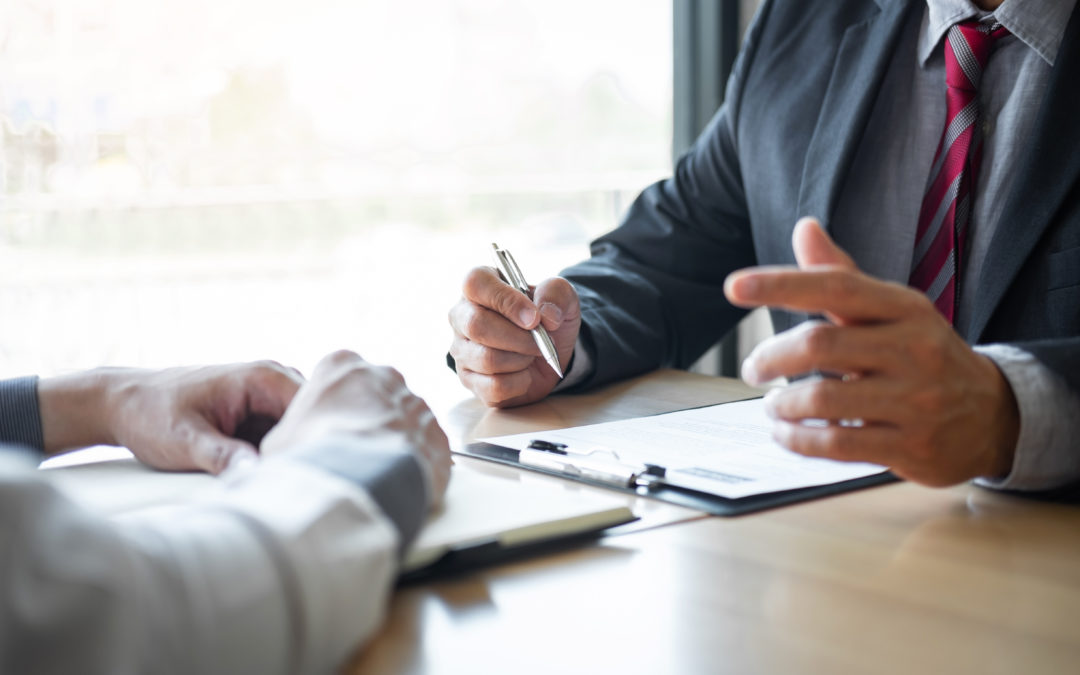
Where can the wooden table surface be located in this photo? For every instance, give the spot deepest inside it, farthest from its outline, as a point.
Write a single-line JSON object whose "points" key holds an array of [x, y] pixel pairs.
{"points": [[893, 579]]}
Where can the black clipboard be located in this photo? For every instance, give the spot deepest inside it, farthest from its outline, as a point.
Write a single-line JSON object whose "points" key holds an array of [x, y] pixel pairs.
{"points": [[693, 499], [488, 553]]}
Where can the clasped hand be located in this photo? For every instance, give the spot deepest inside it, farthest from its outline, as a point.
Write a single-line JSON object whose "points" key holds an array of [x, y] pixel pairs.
{"points": [[932, 409], [210, 418]]}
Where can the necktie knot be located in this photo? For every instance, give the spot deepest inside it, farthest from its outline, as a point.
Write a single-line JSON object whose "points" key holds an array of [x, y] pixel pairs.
{"points": [[967, 49]]}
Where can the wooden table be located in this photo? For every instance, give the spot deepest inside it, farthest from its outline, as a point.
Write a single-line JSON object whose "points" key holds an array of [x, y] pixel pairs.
{"points": [[894, 579]]}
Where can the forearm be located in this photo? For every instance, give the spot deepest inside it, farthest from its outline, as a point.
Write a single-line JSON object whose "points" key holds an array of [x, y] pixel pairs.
{"points": [[249, 580]]}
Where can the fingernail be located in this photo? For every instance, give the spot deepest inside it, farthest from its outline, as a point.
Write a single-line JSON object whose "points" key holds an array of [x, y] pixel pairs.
{"points": [[551, 312], [527, 316], [769, 401], [242, 460], [747, 286], [749, 371]]}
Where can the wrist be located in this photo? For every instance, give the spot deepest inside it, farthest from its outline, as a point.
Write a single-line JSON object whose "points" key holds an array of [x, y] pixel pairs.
{"points": [[1005, 428], [77, 410]]}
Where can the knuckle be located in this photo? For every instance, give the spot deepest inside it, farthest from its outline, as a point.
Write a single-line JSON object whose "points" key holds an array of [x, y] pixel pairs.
{"points": [[506, 300], [460, 315], [476, 280], [498, 391], [474, 325], [488, 361], [338, 367], [928, 352], [841, 285], [782, 434], [341, 356], [385, 373], [819, 339], [266, 373], [502, 391], [821, 397], [929, 399], [395, 376], [836, 442], [265, 367]]}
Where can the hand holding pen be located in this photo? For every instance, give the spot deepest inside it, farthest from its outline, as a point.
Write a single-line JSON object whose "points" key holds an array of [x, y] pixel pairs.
{"points": [[512, 275], [499, 339]]}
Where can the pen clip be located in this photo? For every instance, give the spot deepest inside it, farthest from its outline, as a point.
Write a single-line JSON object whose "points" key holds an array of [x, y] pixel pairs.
{"points": [[509, 268]]}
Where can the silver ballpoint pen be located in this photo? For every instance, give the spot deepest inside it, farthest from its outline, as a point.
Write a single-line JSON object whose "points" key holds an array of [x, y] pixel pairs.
{"points": [[512, 273]]}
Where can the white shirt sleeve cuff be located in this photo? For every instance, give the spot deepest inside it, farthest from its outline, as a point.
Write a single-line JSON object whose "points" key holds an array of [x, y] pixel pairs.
{"points": [[1046, 452], [581, 367]]}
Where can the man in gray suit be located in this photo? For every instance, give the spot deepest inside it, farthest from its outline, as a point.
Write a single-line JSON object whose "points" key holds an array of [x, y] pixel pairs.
{"points": [[934, 142]]}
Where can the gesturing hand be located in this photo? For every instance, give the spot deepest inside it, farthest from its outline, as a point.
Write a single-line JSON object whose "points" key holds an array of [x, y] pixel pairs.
{"points": [[495, 354], [932, 409]]}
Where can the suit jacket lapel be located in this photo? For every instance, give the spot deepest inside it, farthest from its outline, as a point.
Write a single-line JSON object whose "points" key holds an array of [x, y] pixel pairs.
{"points": [[1048, 169], [861, 62]]}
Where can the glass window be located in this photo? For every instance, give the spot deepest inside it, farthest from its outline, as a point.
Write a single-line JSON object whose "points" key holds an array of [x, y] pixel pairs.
{"points": [[212, 181]]}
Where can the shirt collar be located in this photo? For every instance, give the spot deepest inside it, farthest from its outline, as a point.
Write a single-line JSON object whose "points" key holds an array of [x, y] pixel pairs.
{"points": [[1040, 24]]}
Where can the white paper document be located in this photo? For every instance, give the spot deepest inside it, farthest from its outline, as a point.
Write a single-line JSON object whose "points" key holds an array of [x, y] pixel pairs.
{"points": [[726, 450]]}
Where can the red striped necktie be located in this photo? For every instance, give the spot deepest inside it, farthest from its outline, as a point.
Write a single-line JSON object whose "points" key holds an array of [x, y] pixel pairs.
{"points": [[946, 207]]}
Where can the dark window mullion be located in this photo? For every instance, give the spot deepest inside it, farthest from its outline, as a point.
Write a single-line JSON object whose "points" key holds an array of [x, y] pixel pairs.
{"points": [[706, 41]]}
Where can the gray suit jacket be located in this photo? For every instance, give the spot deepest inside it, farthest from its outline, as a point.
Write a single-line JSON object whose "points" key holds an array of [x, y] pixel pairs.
{"points": [[796, 108]]}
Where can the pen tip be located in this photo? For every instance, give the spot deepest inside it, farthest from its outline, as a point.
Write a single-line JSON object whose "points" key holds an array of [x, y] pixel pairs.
{"points": [[555, 366]]}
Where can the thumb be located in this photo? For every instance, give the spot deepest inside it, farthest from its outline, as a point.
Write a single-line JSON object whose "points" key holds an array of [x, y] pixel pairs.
{"points": [[213, 452], [814, 247], [558, 303]]}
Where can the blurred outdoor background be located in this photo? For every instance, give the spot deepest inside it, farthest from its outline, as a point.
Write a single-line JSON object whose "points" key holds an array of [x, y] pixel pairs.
{"points": [[208, 181]]}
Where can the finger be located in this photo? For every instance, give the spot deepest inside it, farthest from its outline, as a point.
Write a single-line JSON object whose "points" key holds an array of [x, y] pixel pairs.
{"points": [[484, 287], [813, 246], [213, 452], [873, 400], [847, 294], [873, 444], [496, 390], [436, 448], [481, 359], [333, 363], [270, 387], [823, 347], [491, 329], [388, 381], [558, 302]]}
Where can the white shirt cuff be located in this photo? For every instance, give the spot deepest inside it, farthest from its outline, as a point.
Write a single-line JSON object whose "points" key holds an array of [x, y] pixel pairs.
{"points": [[1046, 452], [581, 367]]}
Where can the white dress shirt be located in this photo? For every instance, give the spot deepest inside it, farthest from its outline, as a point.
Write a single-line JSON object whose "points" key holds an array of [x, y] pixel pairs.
{"points": [[286, 569]]}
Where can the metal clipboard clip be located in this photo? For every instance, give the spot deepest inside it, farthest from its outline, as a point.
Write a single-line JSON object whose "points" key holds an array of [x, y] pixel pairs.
{"points": [[556, 458]]}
